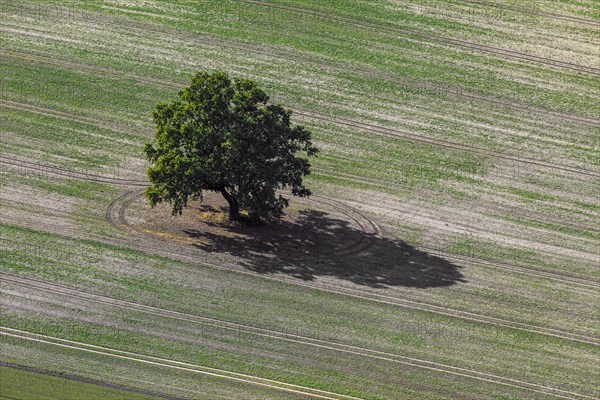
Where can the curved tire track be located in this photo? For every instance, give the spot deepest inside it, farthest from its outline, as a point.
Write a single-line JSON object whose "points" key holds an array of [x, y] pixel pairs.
{"points": [[120, 205], [367, 225], [156, 247], [495, 206], [373, 230]]}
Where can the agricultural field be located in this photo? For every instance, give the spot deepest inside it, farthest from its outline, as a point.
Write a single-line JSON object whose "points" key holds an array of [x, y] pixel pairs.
{"points": [[450, 249]]}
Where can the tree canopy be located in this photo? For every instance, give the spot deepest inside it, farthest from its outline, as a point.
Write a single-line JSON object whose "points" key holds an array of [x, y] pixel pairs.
{"points": [[225, 136]]}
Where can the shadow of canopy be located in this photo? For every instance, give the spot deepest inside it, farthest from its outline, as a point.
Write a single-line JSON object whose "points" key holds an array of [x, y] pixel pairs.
{"points": [[315, 244]]}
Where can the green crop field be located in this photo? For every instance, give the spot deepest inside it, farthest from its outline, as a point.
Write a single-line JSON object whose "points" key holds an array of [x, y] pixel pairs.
{"points": [[450, 249], [28, 385]]}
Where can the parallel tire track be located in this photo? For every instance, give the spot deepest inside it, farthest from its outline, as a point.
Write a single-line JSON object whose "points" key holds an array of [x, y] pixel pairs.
{"points": [[366, 72], [494, 207], [590, 285], [443, 143], [327, 172], [94, 16], [585, 283], [83, 176], [133, 356], [436, 38], [499, 51], [147, 359], [62, 115], [354, 178], [369, 127], [549, 15], [368, 226], [294, 338], [157, 247], [95, 382]]}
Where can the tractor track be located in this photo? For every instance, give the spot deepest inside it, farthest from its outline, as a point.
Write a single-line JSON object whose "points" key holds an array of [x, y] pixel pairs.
{"points": [[444, 39], [125, 201], [178, 85], [591, 285], [129, 182], [359, 70], [148, 359], [495, 206], [62, 115], [383, 205], [119, 128], [586, 284], [549, 15], [96, 382], [327, 172], [443, 143], [409, 32], [501, 208], [368, 226], [365, 126], [285, 336], [79, 175], [540, 388], [156, 247]]}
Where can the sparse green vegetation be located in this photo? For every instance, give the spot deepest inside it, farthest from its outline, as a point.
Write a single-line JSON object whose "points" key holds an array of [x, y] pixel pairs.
{"points": [[449, 250], [28, 385]]}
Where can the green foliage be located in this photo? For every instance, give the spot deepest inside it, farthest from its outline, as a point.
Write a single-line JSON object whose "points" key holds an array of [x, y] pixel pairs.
{"points": [[224, 136]]}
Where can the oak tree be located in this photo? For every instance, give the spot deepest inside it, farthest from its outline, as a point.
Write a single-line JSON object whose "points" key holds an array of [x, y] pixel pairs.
{"points": [[225, 136]]}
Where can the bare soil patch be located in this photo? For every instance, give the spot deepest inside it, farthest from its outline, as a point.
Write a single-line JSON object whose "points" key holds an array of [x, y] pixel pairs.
{"points": [[318, 237], [309, 227]]}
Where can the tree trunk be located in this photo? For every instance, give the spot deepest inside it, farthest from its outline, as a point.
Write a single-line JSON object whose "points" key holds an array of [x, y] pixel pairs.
{"points": [[234, 208]]}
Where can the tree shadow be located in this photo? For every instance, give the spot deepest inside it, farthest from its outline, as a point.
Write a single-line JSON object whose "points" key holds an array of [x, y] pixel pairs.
{"points": [[315, 244]]}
